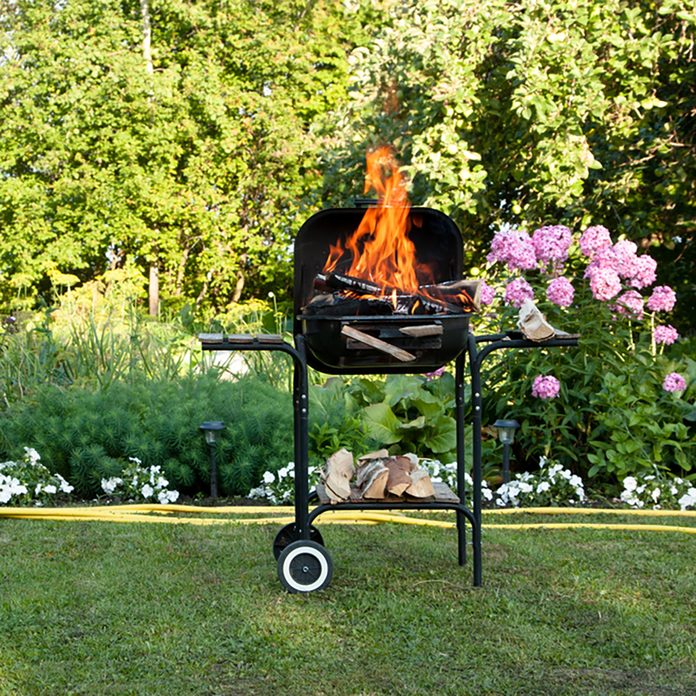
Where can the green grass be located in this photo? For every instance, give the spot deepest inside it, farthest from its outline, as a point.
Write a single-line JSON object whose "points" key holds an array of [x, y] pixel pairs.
{"points": [[98, 608]]}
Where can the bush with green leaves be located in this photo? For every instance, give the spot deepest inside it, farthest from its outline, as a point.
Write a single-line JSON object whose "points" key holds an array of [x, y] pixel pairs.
{"points": [[617, 404], [551, 484], [28, 482], [658, 491], [87, 436], [139, 484]]}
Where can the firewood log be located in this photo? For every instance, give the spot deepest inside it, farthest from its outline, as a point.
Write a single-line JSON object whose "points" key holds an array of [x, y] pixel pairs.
{"points": [[377, 454], [421, 487], [399, 475], [375, 486], [337, 474]]}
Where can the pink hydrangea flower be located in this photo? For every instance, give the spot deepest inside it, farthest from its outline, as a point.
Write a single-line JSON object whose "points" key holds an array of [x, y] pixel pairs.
{"points": [[593, 239], [605, 284], [644, 272], [630, 304], [514, 248], [674, 382], [560, 291], [545, 387], [662, 299], [486, 293], [517, 291], [666, 334], [551, 243]]}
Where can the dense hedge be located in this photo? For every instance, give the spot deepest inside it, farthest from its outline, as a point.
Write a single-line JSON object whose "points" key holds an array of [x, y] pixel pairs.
{"points": [[85, 434]]}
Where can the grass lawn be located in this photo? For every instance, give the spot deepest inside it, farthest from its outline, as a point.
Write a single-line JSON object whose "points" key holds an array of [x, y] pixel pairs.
{"points": [[98, 608]]}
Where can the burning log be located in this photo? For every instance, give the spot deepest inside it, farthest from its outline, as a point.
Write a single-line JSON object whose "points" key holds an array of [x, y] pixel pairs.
{"points": [[362, 287]]}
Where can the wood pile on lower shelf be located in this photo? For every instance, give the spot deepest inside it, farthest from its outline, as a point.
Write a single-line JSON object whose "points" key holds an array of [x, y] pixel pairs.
{"points": [[379, 477]]}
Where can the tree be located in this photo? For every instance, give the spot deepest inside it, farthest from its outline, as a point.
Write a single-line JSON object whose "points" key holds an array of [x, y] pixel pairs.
{"points": [[540, 111], [194, 157]]}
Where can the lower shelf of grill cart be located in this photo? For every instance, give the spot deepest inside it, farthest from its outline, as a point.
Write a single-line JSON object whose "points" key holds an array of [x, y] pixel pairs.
{"points": [[443, 494]]}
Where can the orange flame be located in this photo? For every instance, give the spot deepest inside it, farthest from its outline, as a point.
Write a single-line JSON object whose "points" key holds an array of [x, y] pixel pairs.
{"points": [[380, 248]]}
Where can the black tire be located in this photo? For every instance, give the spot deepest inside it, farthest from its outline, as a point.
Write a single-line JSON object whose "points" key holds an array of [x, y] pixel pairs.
{"points": [[288, 534], [305, 566]]}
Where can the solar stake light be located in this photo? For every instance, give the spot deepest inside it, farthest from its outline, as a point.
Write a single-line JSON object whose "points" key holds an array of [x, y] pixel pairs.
{"points": [[212, 430], [506, 434]]}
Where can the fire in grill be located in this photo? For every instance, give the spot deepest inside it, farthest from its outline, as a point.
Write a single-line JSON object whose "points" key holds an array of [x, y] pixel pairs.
{"points": [[380, 290]]}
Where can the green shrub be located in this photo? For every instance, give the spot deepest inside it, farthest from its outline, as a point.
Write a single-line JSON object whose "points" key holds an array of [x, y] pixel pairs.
{"points": [[88, 435]]}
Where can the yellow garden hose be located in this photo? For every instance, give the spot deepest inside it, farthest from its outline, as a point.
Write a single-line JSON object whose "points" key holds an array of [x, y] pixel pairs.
{"points": [[147, 513]]}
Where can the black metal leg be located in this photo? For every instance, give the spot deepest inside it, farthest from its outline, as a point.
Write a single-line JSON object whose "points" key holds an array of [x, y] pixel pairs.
{"points": [[477, 404], [461, 465], [301, 399]]}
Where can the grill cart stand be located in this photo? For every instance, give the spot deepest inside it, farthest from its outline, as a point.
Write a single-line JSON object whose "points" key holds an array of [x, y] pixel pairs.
{"points": [[304, 565]]}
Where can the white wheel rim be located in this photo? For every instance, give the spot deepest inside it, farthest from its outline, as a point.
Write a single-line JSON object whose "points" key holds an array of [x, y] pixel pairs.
{"points": [[324, 569]]}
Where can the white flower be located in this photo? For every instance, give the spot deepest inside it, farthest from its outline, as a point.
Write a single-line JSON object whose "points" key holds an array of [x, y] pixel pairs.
{"points": [[655, 495], [630, 483], [134, 459], [543, 486], [37, 490], [487, 493], [5, 495], [161, 482], [65, 487], [50, 488], [526, 487], [147, 490], [268, 477], [32, 455], [108, 485], [282, 472]]}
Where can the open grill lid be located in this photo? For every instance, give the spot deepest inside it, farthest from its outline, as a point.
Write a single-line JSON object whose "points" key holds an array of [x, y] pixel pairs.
{"points": [[331, 341]]}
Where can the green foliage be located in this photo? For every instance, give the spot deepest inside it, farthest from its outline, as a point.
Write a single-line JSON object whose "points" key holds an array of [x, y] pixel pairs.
{"points": [[640, 427], [86, 435], [409, 413], [198, 164], [29, 482], [612, 416], [534, 111]]}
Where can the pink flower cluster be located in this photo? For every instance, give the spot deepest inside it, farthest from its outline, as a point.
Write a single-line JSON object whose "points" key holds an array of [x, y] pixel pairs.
{"points": [[486, 293], [545, 387], [517, 291], [630, 304], [604, 283], [551, 243], [614, 263], [593, 239], [514, 248], [561, 292], [674, 382], [663, 299], [665, 334]]}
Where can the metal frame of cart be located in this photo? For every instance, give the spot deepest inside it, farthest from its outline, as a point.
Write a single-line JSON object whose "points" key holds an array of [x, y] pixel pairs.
{"points": [[304, 564]]}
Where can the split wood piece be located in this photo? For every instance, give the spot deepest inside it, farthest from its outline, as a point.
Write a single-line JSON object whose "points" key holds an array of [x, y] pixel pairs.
{"points": [[337, 475], [533, 323], [372, 479], [424, 330], [359, 286], [377, 454], [421, 486], [399, 475], [378, 344]]}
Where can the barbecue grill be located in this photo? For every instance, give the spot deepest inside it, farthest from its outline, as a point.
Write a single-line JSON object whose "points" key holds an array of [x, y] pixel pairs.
{"points": [[359, 337]]}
